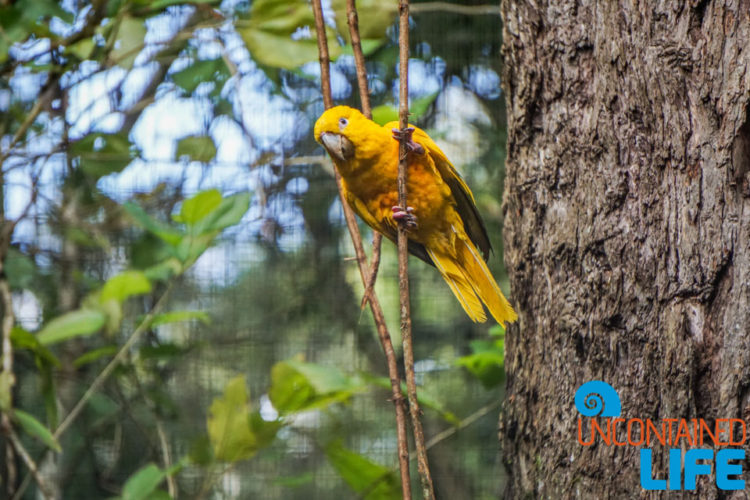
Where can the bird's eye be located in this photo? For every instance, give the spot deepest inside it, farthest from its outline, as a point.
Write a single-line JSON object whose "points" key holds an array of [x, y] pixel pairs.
{"points": [[343, 122]]}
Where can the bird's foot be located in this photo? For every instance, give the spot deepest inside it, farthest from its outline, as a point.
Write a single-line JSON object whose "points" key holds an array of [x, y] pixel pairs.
{"points": [[406, 218], [407, 133]]}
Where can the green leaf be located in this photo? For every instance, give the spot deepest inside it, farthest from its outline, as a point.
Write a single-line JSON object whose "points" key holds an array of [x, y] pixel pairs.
{"points": [[25, 340], [325, 379], [290, 391], [178, 316], [6, 385], [424, 398], [13, 30], [164, 270], [143, 483], [268, 31], [192, 247], [487, 362], [236, 433], [130, 34], [370, 480], [119, 288], [264, 430], [375, 17], [229, 212], [73, 324], [96, 354], [35, 428], [36, 10], [82, 49], [368, 46], [199, 206], [154, 226], [297, 481], [102, 154], [420, 106], [159, 495], [298, 386], [206, 70], [386, 113], [201, 452], [147, 251], [161, 351], [112, 309], [197, 148], [49, 395], [203, 232]]}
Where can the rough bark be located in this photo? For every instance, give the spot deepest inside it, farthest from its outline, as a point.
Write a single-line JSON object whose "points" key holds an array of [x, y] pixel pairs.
{"points": [[627, 229]]}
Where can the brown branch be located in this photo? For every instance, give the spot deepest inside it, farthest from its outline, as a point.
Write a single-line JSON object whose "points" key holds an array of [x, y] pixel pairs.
{"points": [[377, 311], [44, 488], [453, 429], [11, 473], [364, 97], [442, 436], [41, 103], [359, 57], [324, 58], [403, 255], [6, 364], [166, 458], [372, 275]]}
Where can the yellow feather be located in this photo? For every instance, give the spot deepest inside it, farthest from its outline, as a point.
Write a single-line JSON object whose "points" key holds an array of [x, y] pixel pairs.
{"points": [[462, 289], [479, 276]]}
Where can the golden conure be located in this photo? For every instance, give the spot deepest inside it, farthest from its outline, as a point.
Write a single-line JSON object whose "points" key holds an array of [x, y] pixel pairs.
{"points": [[448, 233]]}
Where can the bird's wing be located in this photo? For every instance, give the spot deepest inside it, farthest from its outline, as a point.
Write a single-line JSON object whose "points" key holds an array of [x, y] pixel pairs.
{"points": [[359, 207], [465, 203]]}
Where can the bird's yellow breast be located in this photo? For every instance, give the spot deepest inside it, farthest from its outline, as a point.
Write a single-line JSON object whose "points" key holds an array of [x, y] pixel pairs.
{"points": [[373, 179]]}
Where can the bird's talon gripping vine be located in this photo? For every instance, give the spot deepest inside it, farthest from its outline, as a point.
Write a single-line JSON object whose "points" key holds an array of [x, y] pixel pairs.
{"points": [[405, 217], [407, 133]]}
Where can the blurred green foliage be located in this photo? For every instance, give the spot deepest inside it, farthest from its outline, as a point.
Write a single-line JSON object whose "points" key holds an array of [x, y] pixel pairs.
{"points": [[264, 380]]}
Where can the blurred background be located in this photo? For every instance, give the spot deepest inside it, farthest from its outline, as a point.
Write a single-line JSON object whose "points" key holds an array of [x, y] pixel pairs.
{"points": [[111, 105]]}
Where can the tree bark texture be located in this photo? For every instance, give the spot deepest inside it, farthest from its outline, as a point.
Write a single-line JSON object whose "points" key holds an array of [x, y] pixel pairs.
{"points": [[627, 229]]}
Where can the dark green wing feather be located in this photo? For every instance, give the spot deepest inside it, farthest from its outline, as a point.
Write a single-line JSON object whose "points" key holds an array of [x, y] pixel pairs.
{"points": [[465, 204], [416, 249]]}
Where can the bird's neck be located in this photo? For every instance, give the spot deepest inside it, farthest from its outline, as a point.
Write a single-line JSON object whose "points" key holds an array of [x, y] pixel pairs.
{"points": [[375, 150]]}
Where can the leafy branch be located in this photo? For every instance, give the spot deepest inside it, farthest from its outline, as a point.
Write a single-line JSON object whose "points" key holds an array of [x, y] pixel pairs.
{"points": [[202, 217], [366, 274]]}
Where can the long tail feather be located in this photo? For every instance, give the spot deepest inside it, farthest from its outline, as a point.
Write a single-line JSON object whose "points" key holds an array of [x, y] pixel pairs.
{"points": [[461, 288], [478, 274]]}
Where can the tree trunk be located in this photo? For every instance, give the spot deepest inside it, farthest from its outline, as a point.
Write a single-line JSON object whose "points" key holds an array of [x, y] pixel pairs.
{"points": [[627, 229]]}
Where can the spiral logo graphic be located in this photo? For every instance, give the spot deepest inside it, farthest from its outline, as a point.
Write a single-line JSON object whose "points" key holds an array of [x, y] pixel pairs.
{"points": [[597, 399]]}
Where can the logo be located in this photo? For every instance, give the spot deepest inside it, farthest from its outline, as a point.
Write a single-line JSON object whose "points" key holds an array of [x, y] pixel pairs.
{"points": [[600, 409], [598, 399]]}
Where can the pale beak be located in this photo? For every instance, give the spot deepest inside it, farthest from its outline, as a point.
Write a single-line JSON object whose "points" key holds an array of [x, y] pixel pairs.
{"points": [[338, 146]]}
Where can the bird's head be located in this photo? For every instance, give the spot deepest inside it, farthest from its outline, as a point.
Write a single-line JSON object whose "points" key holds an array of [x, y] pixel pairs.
{"points": [[336, 130]]}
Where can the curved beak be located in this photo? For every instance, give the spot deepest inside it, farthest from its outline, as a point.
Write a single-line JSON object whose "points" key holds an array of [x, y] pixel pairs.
{"points": [[338, 146]]}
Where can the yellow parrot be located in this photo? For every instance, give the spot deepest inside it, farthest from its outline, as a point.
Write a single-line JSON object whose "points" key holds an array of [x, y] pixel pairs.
{"points": [[443, 224]]}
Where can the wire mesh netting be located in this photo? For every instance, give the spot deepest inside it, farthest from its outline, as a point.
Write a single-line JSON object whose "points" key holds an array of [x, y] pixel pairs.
{"points": [[280, 285]]}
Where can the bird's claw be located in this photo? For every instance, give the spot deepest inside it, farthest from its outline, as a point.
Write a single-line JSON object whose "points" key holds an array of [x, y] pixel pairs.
{"points": [[405, 217], [407, 134]]}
